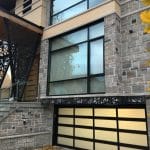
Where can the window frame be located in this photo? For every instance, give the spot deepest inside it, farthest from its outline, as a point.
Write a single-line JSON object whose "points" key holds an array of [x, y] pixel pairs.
{"points": [[88, 76], [78, 3], [94, 128], [27, 6]]}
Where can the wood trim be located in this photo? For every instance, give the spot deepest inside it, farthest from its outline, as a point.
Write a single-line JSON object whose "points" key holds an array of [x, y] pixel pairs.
{"points": [[21, 22]]}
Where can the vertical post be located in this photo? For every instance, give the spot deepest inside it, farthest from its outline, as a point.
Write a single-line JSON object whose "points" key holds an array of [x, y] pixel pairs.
{"points": [[38, 94]]}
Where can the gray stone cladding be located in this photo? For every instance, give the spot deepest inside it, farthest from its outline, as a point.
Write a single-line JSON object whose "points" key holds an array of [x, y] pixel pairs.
{"points": [[29, 127], [43, 70], [112, 54]]}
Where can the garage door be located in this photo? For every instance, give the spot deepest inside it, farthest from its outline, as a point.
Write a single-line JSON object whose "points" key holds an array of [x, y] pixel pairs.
{"points": [[96, 128]]}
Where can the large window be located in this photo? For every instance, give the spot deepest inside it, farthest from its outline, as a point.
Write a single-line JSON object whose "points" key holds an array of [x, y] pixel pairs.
{"points": [[77, 62], [64, 9], [101, 128]]}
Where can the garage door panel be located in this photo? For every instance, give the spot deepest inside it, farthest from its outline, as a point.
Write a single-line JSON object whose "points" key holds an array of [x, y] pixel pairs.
{"points": [[97, 128]]}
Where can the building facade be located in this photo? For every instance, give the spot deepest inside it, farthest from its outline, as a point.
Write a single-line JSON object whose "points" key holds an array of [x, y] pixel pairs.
{"points": [[93, 72]]}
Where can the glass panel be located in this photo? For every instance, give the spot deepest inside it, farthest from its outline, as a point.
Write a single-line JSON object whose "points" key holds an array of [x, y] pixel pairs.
{"points": [[135, 139], [70, 39], [83, 111], [65, 111], [70, 13], [97, 84], [65, 130], [84, 122], [65, 120], [127, 148], [96, 30], [131, 113], [132, 125], [65, 141], [96, 57], [59, 5], [106, 135], [105, 123], [84, 144], [102, 146], [105, 112], [86, 133], [70, 63], [69, 87]]}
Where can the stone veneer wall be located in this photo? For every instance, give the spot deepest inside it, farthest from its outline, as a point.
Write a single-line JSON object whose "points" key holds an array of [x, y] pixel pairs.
{"points": [[44, 52], [28, 127], [112, 54]]}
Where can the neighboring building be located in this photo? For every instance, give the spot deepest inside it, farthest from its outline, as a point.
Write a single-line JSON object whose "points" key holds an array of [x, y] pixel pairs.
{"points": [[91, 69]]}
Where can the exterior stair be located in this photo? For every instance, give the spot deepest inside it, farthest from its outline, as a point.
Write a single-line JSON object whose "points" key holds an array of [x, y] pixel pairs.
{"points": [[6, 108]]}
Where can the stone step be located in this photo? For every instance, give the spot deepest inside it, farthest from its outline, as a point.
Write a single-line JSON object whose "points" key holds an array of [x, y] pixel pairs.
{"points": [[3, 113], [3, 109]]}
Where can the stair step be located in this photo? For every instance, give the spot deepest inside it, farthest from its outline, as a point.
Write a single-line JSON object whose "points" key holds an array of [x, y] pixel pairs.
{"points": [[4, 109]]}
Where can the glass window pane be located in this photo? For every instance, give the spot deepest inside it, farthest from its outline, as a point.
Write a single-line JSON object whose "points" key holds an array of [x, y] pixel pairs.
{"points": [[97, 84], [105, 123], [127, 148], [69, 39], [96, 55], [106, 135], [68, 87], [65, 130], [70, 13], [105, 146], [93, 3], [83, 122], [132, 125], [83, 111], [65, 141], [65, 111], [69, 63], [131, 113], [64, 120], [59, 5], [105, 112], [84, 144], [97, 30], [86, 133], [137, 139]]}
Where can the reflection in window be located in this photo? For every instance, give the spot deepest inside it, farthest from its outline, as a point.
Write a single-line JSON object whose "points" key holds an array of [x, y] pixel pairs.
{"points": [[96, 52], [93, 3], [69, 39], [64, 9], [77, 62], [69, 12], [69, 63]]}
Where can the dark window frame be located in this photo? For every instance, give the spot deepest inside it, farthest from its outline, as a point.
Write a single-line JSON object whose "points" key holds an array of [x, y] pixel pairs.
{"points": [[27, 6], [74, 5], [89, 76], [117, 118]]}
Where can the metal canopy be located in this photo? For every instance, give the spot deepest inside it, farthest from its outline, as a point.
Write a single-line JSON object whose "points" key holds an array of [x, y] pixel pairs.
{"points": [[25, 36]]}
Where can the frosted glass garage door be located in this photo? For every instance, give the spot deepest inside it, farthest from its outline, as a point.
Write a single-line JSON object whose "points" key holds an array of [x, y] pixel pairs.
{"points": [[97, 128]]}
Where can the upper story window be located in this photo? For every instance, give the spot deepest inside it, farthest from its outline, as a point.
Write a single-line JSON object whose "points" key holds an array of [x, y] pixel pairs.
{"points": [[64, 9], [27, 6], [77, 62]]}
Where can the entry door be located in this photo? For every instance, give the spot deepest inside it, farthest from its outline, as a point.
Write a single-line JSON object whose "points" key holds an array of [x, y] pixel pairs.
{"points": [[97, 128]]}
